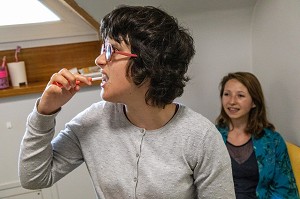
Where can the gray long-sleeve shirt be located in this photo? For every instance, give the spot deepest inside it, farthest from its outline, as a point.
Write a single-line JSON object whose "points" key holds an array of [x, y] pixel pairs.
{"points": [[184, 159]]}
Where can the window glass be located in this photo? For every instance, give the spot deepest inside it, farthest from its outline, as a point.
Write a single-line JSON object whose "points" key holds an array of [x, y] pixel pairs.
{"points": [[16, 12]]}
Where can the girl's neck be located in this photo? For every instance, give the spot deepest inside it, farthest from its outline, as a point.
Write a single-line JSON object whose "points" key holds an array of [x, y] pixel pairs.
{"points": [[238, 134], [239, 125], [149, 117]]}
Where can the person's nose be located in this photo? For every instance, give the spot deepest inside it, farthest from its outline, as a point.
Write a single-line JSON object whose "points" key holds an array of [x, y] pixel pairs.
{"points": [[232, 99], [101, 60]]}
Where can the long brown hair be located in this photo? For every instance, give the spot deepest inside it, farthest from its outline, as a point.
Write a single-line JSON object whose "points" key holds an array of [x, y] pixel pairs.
{"points": [[257, 120]]}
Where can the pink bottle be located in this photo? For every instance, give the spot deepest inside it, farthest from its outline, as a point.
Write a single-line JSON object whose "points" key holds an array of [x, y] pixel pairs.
{"points": [[4, 83]]}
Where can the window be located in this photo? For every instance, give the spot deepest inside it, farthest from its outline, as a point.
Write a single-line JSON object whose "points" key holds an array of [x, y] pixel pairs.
{"points": [[15, 12], [71, 28]]}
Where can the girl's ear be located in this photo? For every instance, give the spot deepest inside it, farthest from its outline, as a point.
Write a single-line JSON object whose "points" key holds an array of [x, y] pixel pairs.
{"points": [[253, 105]]}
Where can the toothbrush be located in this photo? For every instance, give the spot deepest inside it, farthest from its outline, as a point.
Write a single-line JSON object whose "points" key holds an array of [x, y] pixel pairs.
{"points": [[96, 78], [78, 82], [3, 62], [18, 49]]}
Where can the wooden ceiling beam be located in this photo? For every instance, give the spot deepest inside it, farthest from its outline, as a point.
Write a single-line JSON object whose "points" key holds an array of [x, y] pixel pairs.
{"points": [[83, 14]]}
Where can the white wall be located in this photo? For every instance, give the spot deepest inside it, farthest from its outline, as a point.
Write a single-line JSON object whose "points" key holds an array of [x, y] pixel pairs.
{"points": [[223, 44], [276, 62]]}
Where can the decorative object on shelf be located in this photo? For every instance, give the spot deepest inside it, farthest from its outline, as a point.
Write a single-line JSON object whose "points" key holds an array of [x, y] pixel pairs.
{"points": [[17, 70]]}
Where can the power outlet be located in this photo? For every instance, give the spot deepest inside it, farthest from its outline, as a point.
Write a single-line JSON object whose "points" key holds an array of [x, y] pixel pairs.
{"points": [[9, 125]]}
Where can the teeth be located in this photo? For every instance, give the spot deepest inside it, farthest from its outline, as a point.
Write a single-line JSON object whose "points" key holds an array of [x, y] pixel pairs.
{"points": [[104, 77]]}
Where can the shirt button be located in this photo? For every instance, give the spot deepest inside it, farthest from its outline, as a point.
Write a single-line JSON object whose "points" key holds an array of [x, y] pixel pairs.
{"points": [[134, 179], [137, 155]]}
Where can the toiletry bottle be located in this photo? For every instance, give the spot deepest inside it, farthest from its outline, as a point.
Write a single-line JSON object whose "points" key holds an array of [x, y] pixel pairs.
{"points": [[4, 83]]}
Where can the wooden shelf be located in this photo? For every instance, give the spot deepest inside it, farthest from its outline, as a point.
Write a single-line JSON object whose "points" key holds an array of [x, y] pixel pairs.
{"points": [[42, 62], [23, 90], [29, 89]]}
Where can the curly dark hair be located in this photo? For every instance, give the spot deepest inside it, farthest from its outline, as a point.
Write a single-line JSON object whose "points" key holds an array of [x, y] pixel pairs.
{"points": [[257, 120], [163, 47]]}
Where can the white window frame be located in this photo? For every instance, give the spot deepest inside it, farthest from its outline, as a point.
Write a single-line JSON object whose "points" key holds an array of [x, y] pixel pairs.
{"points": [[72, 28]]}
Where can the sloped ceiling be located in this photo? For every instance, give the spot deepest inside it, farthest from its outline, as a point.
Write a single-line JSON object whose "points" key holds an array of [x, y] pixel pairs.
{"points": [[97, 9], [81, 18]]}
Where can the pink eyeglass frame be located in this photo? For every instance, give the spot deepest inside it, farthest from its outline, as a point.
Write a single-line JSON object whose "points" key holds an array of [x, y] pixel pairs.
{"points": [[109, 54]]}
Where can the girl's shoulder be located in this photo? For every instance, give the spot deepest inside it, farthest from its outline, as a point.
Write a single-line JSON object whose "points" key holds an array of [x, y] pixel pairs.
{"points": [[222, 130], [269, 133], [271, 138]]}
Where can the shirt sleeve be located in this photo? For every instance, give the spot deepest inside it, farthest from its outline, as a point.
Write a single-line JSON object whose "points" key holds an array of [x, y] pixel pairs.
{"points": [[213, 173], [43, 161]]}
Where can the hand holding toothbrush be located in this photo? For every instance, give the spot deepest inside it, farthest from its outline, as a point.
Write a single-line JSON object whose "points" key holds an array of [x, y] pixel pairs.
{"points": [[60, 89]]}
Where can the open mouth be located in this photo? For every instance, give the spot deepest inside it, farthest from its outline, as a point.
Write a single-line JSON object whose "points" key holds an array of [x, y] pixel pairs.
{"points": [[232, 109], [104, 78]]}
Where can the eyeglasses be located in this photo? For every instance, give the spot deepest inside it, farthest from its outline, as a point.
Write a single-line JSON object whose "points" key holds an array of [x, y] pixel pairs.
{"points": [[109, 51]]}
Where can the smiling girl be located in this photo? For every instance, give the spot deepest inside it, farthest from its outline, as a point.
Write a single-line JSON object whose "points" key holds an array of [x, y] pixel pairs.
{"points": [[260, 163]]}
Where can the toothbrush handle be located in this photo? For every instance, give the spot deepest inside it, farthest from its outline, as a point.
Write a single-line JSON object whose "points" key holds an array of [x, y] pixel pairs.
{"points": [[78, 82], [60, 85]]}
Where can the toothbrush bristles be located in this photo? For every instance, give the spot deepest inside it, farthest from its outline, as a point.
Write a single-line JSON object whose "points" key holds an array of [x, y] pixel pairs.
{"points": [[96, 78]]}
